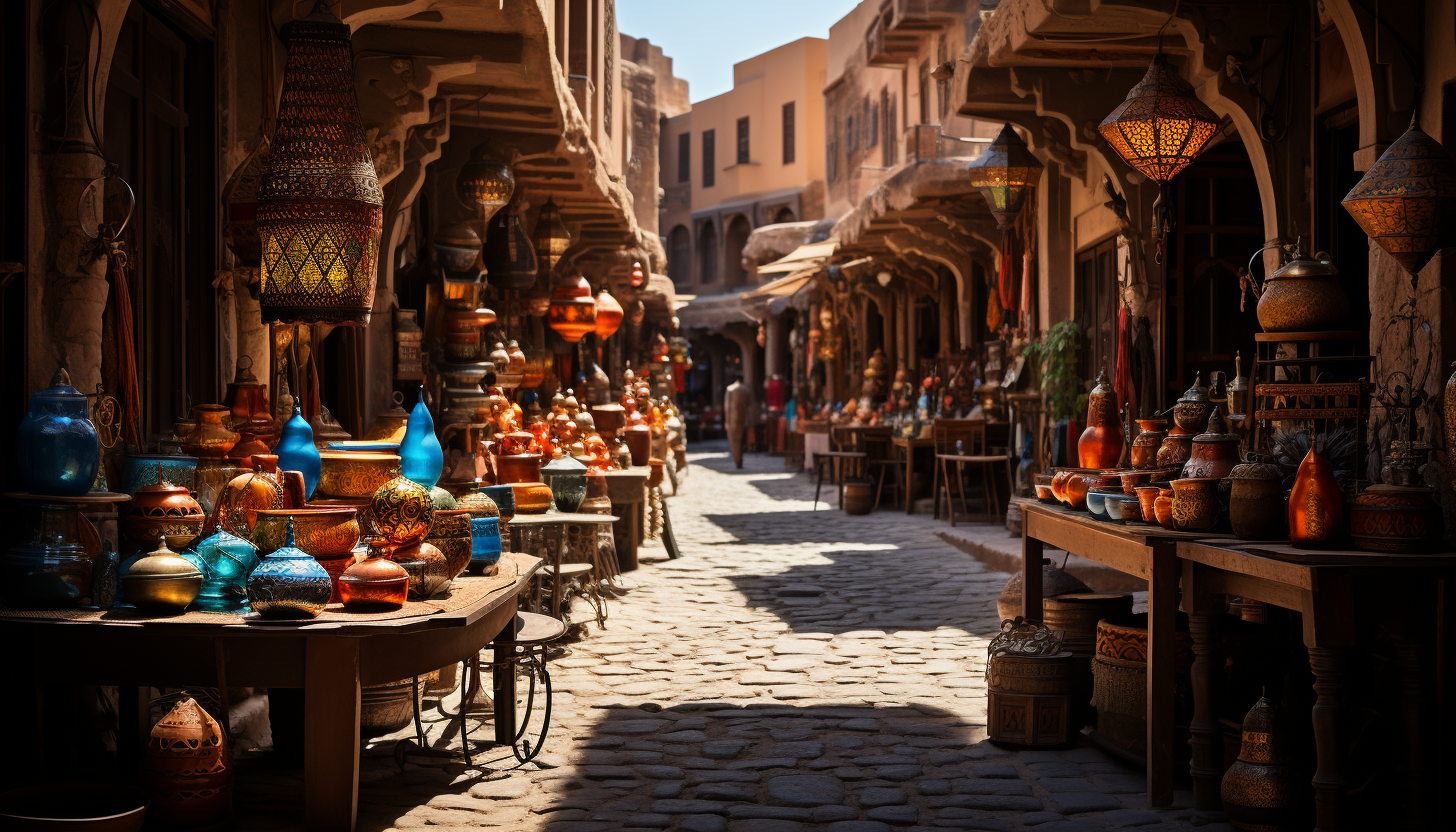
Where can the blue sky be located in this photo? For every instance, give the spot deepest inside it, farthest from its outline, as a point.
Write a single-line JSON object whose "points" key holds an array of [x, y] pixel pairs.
{"points": [[705, 39]]}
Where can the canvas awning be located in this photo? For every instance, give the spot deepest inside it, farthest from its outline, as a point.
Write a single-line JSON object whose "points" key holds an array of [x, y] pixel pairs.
{"points": [[809, 255]]}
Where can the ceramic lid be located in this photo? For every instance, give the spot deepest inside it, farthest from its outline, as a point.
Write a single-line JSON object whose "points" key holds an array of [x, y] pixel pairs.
{"points": [[1217, 430], [1300, 267], [1102, 387], [1256, 467], [60, 389], [1195, 393], [163, 564]]}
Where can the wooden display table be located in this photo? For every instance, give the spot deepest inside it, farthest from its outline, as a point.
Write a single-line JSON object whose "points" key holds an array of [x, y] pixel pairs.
{"points": [[329, 659], [1147, 552], [909, 445], [628, 493], [1327, 589]]}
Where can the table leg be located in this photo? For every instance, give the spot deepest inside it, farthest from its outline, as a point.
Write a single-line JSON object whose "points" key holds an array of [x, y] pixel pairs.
{"points": [[503, 683], [331, 734], [1162, 621], [1328, 665], [1031, 551], [1207, 767], [133, 723], [909, 479]]}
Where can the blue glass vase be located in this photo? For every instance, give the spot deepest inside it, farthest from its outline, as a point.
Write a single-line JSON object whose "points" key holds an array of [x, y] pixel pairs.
{"points": [[421, 457], [226, 561], [485, 544], [289, 583], [296, 452], [56, 447]]}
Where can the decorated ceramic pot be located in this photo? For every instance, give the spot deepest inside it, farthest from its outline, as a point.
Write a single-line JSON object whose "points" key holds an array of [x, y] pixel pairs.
{"points": [[57, 449], [1100, 445], [1191, 411], [148, 469], [289, 583], [450, 533], [1195, 504], [324, 533], [1176, 449], [213, 437], [428, 570], [1146, 495], [485, 545], [1214, 453], [1263, 789], [187, 768], [1393, 518], [567, 479], [1256, 500], [1151, 432], [227, 561], [244, 496], [355, 474], [163, 582], [1163, 508], [161, 511], [375, 583], [402, 511]]}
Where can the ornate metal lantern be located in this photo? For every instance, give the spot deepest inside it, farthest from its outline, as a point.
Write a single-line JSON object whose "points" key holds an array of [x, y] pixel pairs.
{"points": [[1406, 202], [1161, 126], [609, 315], [572, 313], [320, 208], [485, 184], [1004, 174], [550, 237]]}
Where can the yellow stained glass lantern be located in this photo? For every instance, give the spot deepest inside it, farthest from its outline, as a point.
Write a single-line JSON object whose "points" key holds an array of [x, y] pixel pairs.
{"points": [[573, 312], [320, 208], [485, 184], [550, 238], [1406, 202], [1004, 173], [1161, 127]]}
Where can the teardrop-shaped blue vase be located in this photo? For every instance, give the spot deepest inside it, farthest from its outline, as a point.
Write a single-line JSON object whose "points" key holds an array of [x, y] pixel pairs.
{"points": [[421, 457], [296, 451]]}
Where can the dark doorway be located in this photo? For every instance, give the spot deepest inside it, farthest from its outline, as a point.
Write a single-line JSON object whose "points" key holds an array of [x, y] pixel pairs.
{"points": [[1096, 308]]}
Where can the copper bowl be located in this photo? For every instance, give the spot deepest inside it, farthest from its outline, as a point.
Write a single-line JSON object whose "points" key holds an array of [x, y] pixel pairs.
{"points": [[355, 475], [1043, 485], [374, 584], [324, 533], [532, 497]]}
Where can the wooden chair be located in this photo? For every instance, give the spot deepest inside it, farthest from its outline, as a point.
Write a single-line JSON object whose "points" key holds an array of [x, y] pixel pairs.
{"points": [[961, 442], [844, 459]]}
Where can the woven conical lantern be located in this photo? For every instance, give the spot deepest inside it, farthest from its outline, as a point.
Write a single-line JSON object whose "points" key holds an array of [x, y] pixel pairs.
{"points": [[573, 313], [609, 314], [485, 184], [550, 237], [1161, 127], [320, 208], [1406, 202], [1005, 172]]}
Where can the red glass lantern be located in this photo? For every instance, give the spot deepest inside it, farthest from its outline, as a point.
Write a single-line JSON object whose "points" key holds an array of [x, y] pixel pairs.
{"points": [[572, 313], [320, 207], [609, 315]]}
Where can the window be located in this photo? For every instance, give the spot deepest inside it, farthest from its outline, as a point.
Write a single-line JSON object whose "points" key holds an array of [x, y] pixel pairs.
{"points": [[925, 92], [708, 164], [679, 256], [684, 157], [851, 138], [789, 133], [1096, 306], [707, 253], [743, 140], [872, 124], [831, 151], [887, 106]]}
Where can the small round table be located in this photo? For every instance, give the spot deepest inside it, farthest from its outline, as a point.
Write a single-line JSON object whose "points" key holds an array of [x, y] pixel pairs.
{"points": [[575, 558]]}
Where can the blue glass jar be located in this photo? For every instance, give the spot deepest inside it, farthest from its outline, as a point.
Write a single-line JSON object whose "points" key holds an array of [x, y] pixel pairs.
{"points": [[421, 457], [56, 446], [226, 560], [289, 583], [47, 568], [296, 451], [567, 479], [485, 545]]}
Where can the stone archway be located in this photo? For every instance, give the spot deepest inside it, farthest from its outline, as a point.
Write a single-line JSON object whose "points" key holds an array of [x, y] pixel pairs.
{"points": [[734, 239]]}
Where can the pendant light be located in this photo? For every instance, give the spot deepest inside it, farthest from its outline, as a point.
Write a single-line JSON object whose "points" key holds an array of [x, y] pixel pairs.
{"points": [[609, 315], [550, 237], [509, 255], [320, 208], [572, 313], [1161, 127], [1406, 202], [484, 184], [638, 278], [1004, 173]]}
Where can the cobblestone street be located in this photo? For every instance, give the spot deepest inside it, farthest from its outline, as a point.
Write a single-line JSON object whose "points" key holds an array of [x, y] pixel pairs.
{"points": [[794, 670]]}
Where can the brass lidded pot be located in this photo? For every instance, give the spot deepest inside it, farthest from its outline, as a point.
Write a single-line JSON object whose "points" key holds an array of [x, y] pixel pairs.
{"points": [[390, 425], [1304, 295], [163, 582], [1190, 412], [1215, 452]]}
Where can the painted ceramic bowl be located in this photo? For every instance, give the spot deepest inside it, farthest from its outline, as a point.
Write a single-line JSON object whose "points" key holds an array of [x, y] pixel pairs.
{"points": [[356, 475], [402, 511], [324, 533], [1122, 508], [1095, 500]]}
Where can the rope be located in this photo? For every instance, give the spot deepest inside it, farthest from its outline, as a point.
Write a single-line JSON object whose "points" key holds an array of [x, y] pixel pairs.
{"points": [[122, 325]]}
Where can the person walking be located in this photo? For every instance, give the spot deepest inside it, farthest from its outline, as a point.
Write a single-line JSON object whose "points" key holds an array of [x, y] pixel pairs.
{"points": [[737, 401]]}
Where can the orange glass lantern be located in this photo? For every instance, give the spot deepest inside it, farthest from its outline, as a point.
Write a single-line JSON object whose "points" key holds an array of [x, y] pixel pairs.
{"points": [[549, 237], [609, 315], [1406, 202], [320, 207], [638, 277], [1004, 174], [1161, 127], [573, 313]]}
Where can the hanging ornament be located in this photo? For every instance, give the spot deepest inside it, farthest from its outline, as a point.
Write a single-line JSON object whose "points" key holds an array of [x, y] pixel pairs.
{"points": [[1005, 173], [609, 315], [1406, 202], [320, 208], [1161, 127], [509, 256], [457, 250], [484, 184], [572, 313], [550, 237], [638, 277]]}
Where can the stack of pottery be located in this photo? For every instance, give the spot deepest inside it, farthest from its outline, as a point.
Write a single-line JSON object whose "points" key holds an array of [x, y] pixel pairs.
{"points": [[1261, 790], [1214, 453], [1100, 445], [1256, 500], [328, 535], [1151, 433]]}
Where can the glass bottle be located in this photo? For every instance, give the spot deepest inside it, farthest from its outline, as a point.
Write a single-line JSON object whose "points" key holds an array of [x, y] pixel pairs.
{"points": [[296, 451], [421, 457]]}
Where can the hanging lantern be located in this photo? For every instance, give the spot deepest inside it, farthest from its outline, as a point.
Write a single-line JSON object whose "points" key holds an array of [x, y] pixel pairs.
{"points": [[1406, 202], [550, 237], [1161, 126], [457, 248], [1005, 172], [484, 184], [572, 313], [638, 278], [320, 208], [509, 257], [609, 315]]}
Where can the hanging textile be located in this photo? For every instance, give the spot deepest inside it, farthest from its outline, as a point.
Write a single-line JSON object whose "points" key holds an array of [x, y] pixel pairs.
{"points": [[120, 311], [1122, 383], [1004, 273], [1028, 262]]}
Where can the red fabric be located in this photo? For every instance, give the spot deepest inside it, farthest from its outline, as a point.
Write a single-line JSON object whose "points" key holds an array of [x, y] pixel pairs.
{"points": [[1008, 241], [129, 396], [1122, 378]]}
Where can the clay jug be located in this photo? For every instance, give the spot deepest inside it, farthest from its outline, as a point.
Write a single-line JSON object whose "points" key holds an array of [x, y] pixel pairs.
{"points": [[1100, 445], [1316, 506]]}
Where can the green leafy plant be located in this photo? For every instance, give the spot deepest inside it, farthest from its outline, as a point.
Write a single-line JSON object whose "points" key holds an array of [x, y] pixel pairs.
{"points": [[1055, 357]]}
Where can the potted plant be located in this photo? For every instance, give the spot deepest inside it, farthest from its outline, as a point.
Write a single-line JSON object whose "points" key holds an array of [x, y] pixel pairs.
{"points": [[1055, 358]]}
